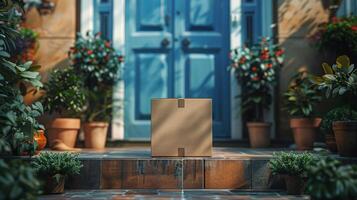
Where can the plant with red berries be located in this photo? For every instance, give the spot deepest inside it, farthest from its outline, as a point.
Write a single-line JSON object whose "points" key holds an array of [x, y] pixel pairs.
{"points": [[256, 70], [99, 64], [339, 36]]}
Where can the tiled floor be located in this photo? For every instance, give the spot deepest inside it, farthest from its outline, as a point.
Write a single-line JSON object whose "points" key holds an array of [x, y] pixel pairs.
{"points": [[168, 194]]}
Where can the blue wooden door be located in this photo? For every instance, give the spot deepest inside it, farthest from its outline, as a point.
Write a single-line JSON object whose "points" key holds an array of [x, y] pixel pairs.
{"points": [[176, 48]]}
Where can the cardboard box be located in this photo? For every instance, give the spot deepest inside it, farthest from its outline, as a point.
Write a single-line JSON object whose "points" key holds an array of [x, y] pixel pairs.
{"points": [[181, 127]]}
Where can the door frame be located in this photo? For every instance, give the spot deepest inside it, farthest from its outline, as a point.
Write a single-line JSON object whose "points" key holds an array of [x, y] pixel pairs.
{"points": [[87, 23]]}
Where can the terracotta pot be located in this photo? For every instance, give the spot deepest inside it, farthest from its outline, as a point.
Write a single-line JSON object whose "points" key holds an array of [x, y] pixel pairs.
{"points": [[64, 129], [52, 186], [41, 140], [259, 134], [294, 185], [304, 130], [331, 142], [95, 134], [346, 137]]}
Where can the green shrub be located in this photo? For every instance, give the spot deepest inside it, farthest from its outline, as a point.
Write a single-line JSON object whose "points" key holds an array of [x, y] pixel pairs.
{"points": [[337, 114], [328, 180], [17, 120], [291, 163], [99, 65], [50, 164], [64, 93], [17, 181], [301, 96]]}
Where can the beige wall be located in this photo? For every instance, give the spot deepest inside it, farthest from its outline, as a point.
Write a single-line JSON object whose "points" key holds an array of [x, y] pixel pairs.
{"points": [[297, 20], [56, 34]]}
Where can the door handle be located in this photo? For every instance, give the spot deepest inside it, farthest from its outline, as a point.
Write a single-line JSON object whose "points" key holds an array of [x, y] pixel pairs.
{"points": [[165, 42], [186, 42]]}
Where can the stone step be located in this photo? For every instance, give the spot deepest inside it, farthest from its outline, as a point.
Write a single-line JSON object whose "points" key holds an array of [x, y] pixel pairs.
{"points": [[228, 168], [170, 194]]}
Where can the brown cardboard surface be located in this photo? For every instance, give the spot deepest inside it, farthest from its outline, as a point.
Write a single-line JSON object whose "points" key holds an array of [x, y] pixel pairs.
{"points": [[181, 127]]}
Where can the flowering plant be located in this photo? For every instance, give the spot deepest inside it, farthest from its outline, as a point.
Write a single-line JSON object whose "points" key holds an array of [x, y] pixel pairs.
{"points": [[27, 45], [99, 64], [339, 35], [256, 71], [96, 59]]}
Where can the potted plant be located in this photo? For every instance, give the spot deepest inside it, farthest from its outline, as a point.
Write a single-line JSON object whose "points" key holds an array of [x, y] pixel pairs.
{"points": [[65, 98], [337, 37], [293, 167], [53, 168], [18, 180], [340, 82], [97, 62], [256, 70], [301, 98], [328, 179], [343, 113]]}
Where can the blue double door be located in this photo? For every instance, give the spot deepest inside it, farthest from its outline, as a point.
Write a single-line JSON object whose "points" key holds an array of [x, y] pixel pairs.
{"points": [[176, 49]]}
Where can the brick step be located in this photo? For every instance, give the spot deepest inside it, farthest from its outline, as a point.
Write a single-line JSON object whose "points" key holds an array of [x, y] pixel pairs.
{"points": [[134, 168], [169, 194]]}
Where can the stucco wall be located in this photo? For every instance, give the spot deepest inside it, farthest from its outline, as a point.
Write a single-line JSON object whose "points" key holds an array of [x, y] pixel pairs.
{"points": [[297, 20], [56, 34]]}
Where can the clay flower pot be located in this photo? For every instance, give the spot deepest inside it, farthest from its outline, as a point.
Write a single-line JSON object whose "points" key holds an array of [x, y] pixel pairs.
{"points": [[63, 129], [259, 134], [95, 134], [41, 140], [53, 185], [304, 130], [331, 142], [294, 185], [346, 137]]}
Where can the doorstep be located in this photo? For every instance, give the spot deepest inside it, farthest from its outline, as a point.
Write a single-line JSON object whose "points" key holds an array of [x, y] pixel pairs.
{"points": [[169, 194], [134, 168]]}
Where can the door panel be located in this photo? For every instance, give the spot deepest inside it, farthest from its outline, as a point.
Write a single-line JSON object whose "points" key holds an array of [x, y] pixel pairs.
{"points": [[152, 81], [176, 48], [202, 30], [148, 62]]}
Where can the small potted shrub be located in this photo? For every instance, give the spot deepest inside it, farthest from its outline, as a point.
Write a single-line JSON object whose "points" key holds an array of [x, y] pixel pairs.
{"points": [[340, 82], [328, 179], [97, 62], [256, 70], [65, 98], [293, 167], [343, 113], [18, 181], [53, 168], [301, 98]]}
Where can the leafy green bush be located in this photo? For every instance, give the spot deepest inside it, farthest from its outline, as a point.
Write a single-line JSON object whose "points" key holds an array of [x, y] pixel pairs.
{"points": [[17, 121], [339, 80], [291, 163], [301, 96], [50, 164], [17, 181], [256, 70], [97, 62], [337, 114], [339, 35], [328, 180], [64, 93]]}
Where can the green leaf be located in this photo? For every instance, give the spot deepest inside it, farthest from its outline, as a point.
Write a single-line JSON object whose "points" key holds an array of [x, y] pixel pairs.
{"points": [[327, 68], [343, 61]]}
